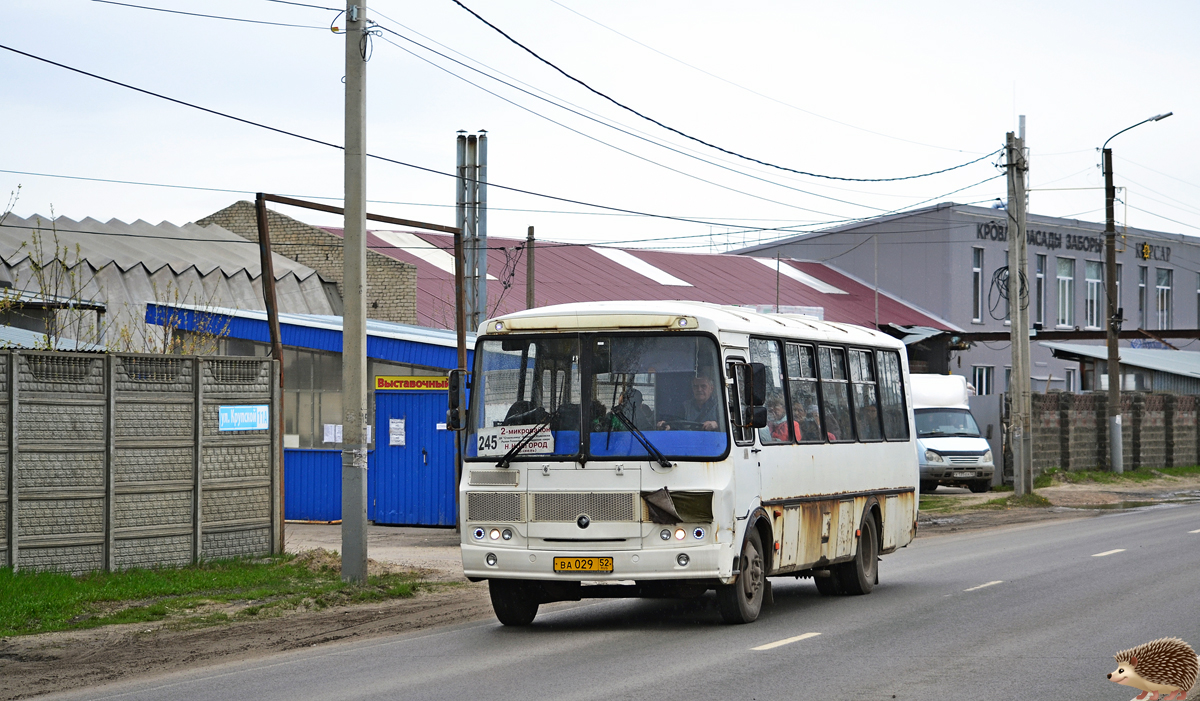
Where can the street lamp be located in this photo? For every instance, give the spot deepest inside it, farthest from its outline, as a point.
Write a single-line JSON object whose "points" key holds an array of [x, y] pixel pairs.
{"points": [[1115, 446]]}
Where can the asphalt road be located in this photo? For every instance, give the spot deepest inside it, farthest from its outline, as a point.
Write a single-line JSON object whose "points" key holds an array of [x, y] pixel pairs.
{"points": [[1032, 611]]}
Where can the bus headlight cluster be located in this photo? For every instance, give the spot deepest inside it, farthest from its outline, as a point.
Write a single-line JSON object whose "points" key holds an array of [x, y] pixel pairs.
{"points": [[494, 534], [682, 559], [698, 534]]}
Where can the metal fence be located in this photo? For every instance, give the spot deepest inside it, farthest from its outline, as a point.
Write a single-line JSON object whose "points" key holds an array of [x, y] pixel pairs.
{"points": [[110, 462]]}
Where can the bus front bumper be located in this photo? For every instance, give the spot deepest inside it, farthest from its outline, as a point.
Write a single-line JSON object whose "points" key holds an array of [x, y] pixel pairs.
{"points": [[649, 564]]}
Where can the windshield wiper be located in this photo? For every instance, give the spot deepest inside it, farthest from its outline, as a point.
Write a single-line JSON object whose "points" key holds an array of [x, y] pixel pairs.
{"points": [[637, 433], [507, 459]]}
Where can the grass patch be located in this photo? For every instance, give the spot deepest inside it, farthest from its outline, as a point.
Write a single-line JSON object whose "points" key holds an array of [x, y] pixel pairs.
{"points": [[37, 602], [1029, 500], [1057, 476], [935, 504]]}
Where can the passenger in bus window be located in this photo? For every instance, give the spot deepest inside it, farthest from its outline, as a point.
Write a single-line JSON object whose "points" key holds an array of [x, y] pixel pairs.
{"points": [[698, 412], [776, 430], [833, 428], [633, 408], [806, 422]]}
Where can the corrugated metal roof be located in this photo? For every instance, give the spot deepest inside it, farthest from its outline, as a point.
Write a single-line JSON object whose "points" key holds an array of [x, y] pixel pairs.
{"points": [[579, 273], [386, 340], [128, 265], [1185, 363], [13, 337]]}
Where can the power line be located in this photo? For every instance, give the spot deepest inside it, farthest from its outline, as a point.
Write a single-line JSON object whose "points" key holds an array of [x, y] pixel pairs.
{"points": [[196, 14], [701, 141], [750, 90], [611, 126], [302, 4]]}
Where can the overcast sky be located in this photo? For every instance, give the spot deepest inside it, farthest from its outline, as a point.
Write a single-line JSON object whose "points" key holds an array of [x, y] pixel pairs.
{"points": [[855, 90]]}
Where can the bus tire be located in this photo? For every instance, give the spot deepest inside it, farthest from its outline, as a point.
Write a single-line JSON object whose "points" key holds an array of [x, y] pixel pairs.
{"points": [[515, 602], [828, 586], [742, 601], [860, 574]]}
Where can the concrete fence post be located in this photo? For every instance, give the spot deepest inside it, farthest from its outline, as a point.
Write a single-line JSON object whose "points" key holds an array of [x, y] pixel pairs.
{"points": [[110, 438], [197, 456]]}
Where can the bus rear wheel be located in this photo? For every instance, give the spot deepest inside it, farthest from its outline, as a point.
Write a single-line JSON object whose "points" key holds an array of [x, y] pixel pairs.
{"points": [[515, 602], [860, 575], [742, 601]]}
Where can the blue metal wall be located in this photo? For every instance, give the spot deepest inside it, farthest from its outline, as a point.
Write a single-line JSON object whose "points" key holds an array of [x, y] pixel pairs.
{"points": [[312, 485]]}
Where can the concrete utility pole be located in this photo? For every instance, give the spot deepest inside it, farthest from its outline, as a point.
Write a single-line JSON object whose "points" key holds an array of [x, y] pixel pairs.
{"points": [[529, 245], [481, 297], [1116, 447], [1020, 398], [354, 319]]}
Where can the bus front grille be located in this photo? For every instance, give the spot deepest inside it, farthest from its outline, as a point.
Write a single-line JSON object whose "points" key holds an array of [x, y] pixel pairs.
{"points": [[494, 478], [598, 506], [502, 507]]}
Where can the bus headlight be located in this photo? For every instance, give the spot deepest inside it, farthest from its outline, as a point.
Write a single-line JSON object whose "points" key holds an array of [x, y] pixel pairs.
{"points": [[931, 456], [478, 534], [490, 559], [664, 534], [495, 534], [506, 534], [680, 534], [683, 559], [698, 534]]}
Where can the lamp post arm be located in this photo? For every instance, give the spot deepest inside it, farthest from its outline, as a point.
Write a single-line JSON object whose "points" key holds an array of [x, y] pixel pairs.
{"points": [[1155, 118]]}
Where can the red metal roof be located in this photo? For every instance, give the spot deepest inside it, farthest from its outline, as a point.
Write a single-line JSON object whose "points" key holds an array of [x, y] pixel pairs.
{"points": [[577, 273]]}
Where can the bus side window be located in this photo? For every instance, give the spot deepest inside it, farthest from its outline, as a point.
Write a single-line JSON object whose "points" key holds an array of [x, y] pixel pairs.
{"points": [[741, 402], [866, 396], [891, 396], [778, 430], [802, 391], [835, 391]]}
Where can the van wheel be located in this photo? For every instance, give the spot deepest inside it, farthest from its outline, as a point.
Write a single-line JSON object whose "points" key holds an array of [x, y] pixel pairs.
{"points": [[928, 487], [514, 601], [980, 486], [860, 575], [742, 601]]}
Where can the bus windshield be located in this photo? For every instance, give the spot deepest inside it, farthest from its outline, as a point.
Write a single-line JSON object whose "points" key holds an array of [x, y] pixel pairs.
{"points": [[945, 422], [647, 397]]}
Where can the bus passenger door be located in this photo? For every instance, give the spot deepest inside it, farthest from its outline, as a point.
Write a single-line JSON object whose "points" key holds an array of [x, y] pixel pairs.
{"points": [[747, 475]]}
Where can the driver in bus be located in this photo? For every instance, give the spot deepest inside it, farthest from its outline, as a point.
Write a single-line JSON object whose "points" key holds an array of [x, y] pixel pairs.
{"points": [[702, 409]]}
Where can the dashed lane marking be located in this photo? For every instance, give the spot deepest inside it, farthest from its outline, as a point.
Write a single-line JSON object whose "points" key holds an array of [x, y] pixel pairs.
{"points": [[1109, 552], [1195, 531], [981, 586], [785, 641]]}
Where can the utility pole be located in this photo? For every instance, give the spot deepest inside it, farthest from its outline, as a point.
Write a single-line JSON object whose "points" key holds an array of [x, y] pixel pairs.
{"points": [[1021, 407], [1116, 447], [481, 297], [529, 246], [354, 319]]}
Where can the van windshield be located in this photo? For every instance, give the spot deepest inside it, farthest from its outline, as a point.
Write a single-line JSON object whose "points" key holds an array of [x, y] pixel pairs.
{"points": [[945, 422]]}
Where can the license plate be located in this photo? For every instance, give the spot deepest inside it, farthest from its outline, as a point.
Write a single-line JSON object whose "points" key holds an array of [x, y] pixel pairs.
{"points": [[964, 474], [583, 564]]}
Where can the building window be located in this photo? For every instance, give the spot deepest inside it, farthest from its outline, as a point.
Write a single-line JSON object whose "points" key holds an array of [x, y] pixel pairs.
{"points": [[981, 377], [1141, 296], [1008, 379], [977, 285], [1066, 293], [1162, 295], [1070, 381], [1039, 311], [1095, 294]]}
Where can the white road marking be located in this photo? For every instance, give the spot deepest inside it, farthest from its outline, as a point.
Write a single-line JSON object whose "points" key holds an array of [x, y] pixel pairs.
{"points": [[981, 586], [1195, 531], [1109, 552], [785, 641]]}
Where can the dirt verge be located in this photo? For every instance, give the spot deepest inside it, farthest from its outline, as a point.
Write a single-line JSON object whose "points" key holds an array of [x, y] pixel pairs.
{"points": [[40, 664]]}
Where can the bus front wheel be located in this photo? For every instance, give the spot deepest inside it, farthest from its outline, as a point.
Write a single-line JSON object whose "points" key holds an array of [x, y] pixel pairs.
{"points": [[860, 575], [742, 601], [515, 602]]}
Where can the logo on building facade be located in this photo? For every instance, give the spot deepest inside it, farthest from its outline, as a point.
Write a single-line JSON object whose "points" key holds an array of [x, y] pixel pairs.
{"points": [[1149, 251]]}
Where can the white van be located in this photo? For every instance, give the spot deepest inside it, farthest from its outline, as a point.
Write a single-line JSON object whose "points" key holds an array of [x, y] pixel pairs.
{"points": [[950, 448]]}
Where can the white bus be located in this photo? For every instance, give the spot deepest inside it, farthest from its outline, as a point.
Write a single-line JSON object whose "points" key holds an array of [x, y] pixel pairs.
{"points": [[664, 449]]}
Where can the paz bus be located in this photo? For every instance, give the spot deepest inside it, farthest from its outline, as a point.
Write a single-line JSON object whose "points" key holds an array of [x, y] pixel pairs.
{"points": [[665, 449]]}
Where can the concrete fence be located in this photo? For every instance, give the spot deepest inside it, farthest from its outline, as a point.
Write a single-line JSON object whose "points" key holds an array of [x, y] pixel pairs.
{"points": [[1070, 431], [109, 462]]}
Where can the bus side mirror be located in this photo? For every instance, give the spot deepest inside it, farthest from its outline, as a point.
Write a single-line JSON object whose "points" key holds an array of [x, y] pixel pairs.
{"points": [[759, 383], [759, 417], [456, 414]]}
